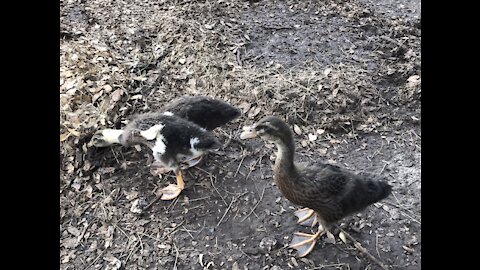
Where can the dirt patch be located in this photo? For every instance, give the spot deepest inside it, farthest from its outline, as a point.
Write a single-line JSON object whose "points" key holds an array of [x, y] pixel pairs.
{"points": [[345, 71]]}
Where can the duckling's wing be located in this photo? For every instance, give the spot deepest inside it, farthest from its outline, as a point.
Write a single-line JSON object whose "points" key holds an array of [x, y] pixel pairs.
{"points": [[350, 192]]}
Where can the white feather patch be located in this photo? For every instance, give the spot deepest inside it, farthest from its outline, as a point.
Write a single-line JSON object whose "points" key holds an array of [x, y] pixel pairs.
{"points": [[152, 132], [193, 142], [160, 146]]}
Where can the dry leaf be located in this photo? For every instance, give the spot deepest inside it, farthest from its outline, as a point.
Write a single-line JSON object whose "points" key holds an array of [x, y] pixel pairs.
{"points": [[327, 71], [335, 92], [107, 88], [117, 94], [330, 238], [312, 137], [136, 207], [253, 112], [74, 132], [320, 131], [294, 261], [64, 136], [304, 143], [209, 27], [74, 231], [342, 237], [89, 191], [413, 81], [113, 264], [297, 129], [323, 151], [131, 195]]}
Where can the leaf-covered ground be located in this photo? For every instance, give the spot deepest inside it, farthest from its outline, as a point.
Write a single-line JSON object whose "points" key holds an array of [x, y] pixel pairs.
{"points": [[344, 74]]}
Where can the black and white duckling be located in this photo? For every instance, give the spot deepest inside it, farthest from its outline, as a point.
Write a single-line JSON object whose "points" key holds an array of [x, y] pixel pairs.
{"points": [[327, 190], [175, 142]]}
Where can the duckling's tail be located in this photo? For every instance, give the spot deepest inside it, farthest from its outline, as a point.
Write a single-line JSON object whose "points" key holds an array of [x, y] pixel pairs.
{"points": [[383, 190], [364, 192]]}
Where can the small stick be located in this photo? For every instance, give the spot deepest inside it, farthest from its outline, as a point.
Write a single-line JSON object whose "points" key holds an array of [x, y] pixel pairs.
{"points": [[239, 165], [150, 204], [362, 249], [176, 256], [214, 187], [253, 209], [234, 199]]}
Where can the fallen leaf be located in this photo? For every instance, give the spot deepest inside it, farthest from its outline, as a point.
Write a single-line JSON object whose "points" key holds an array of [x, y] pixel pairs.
{"points": [[330, 238], [137, 96], [312, 137], [117, 94], [131, 195], [135, 208], [294, 261], [209, 27], [107, 88], [304, 143], [297, 129], [342, 237], [320, 131], [74, 231], [64, 136], [114, 263], [74, 132], [327, 71], [89, 191], [335, 92], [253, 112]]}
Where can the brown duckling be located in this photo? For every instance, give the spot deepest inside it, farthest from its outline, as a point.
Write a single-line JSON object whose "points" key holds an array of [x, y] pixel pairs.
{"points": [[330, 191]]}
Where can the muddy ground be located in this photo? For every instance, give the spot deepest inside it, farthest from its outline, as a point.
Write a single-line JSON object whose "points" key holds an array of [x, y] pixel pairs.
{"points": [[346, 73]]}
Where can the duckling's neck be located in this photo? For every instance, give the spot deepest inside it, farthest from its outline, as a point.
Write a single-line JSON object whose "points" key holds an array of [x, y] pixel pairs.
{"points": [[284, 164], [112, 136]]}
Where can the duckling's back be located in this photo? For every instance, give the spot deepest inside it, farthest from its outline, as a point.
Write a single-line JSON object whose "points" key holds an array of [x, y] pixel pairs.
{"points": [[204, 111], [335, 193]]}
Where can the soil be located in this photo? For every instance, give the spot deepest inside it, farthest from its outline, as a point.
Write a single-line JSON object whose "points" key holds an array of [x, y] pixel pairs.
{"points": [[345, 73]]}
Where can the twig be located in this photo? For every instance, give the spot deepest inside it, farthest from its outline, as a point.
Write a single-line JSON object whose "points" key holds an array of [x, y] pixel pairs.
{"points": [[150, 204], [362, 249], [178, 226], [376, 244], [172, 205], [214, 187], [253, 209], [176, 257], [239, 165], [95, 260], [226, 211], [386, 163], [185, 229], [234, 199], [132, 251]]}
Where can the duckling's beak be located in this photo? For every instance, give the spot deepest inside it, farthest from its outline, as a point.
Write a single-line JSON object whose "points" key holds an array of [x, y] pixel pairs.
{"points": [[248, 132]]}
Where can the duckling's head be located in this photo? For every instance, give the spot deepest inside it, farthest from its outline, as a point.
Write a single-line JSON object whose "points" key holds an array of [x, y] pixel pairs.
{"points": [[270, 128], [106, 137]]}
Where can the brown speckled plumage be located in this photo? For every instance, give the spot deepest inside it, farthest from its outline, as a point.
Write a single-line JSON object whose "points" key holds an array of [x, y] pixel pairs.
{"points": [[332, 192]]}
